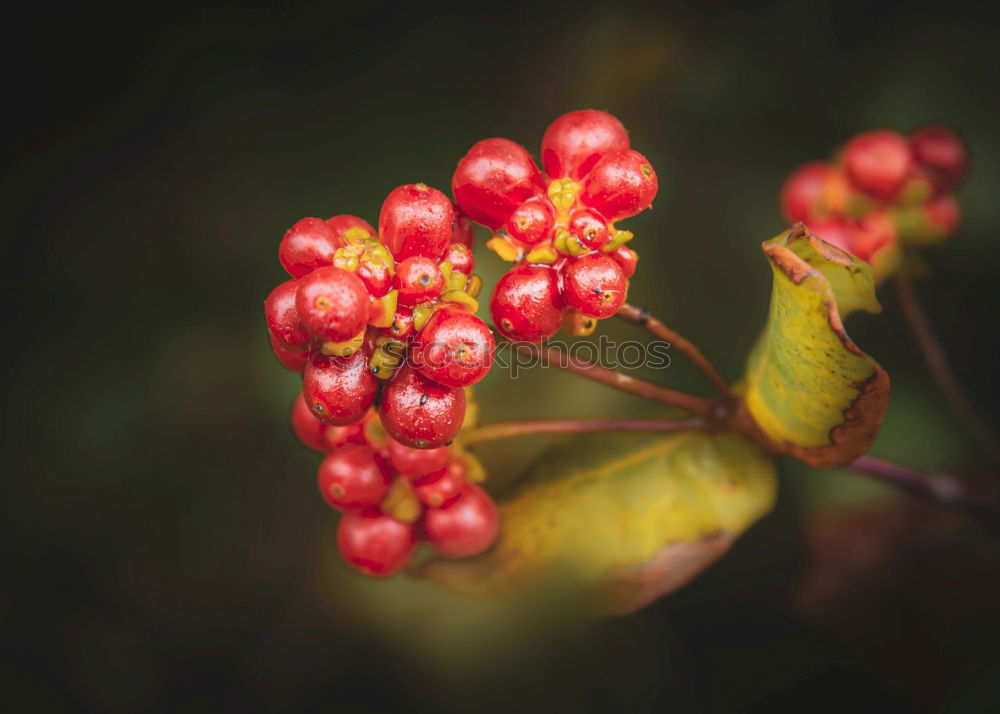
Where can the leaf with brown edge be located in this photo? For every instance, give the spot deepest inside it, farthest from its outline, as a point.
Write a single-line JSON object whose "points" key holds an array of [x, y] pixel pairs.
{"points": [[808, 387], [621, 519]]}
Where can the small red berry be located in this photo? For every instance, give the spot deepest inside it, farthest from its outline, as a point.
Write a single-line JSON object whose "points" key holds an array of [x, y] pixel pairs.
{"points": [[878, 163], [943, 214], [461, 257], [294, 361], [466, 526], [526, 304], [353, 476], [332, 303], [589, 228], [308, 245], [339, 390], [802, 194], [454, 348], [574, 142], [416, 220], [836, 231], [374, 542], [337, 436], [306, 427], [283, 319], [873, 233], [402, 323], [626, 259], [532, 221], [418, 280], [441, 487], [620, 185], [341, 224], [494, 178], [941, 153], [465, 231], [419, 412], [416, 462], [376, 275], [595, 285]]}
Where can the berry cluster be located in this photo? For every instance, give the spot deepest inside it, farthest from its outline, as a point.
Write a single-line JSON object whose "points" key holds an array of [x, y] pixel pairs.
{"points": [[558, 225], [384, 317], [882, 189], [393, 496]]}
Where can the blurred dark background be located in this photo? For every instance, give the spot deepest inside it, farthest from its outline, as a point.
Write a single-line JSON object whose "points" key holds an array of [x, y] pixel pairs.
{"points": [[163, 545]]}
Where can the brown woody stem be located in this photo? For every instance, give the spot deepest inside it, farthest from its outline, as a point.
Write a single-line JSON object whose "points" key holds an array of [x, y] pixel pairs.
{"points": [[510, 429], [641, 317]]}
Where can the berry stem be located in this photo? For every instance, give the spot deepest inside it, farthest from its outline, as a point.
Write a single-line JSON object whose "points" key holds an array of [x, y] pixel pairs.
{"points": [[937, 362], [510, 429], [641, 317]]}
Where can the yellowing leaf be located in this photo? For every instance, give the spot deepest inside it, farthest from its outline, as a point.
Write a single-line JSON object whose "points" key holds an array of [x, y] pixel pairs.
{"points": [[626, 517], [808, 387]]}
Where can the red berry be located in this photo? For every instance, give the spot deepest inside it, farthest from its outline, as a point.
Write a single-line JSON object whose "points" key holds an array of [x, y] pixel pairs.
{"points": [[442, 486], [532, 221], [941, 153], [402, 323], [461, 257], [308, 245], [878, 163], [620, 185], [376, 275], [595, 285], [943, 214], [454, 348], [836, 231], [416, 220], [494, 178], [339, 390], [526, 304], [419, 412], [802, 194], [341, 224], [418, 280], [353, 476], [306, 427], [417, 462], [574, 142], [337, 436], [626, 259], [466, 526], [295, 361], [873, 233], [374, 542], [332, 303], [283, 319], [465, 231], [589, 228]]}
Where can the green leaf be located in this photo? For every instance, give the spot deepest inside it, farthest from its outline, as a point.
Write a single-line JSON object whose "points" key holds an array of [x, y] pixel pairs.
{"points": [[625, 517], [808, 387]]}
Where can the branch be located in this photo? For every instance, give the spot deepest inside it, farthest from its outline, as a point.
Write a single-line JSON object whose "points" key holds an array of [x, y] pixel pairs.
{"points": [[641, 317], [509, 429]]}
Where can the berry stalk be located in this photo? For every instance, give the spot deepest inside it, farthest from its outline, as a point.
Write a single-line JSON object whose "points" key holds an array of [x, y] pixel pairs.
{"points": [[511, 429]]}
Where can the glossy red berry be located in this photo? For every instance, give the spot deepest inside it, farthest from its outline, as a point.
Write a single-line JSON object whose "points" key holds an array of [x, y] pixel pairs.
{"points": [[466, 526], [339, 390], [306, 427], [589, 228], [353, 476], [441, 487], [802, 194], [626, 258], [461, 257], [294, 361], [494, 178], [374, 542], [418, 279], [416, 220], [414, 463], [419, 412], [574, 142], [283, 319], [465, 230], [402, 323], [332, 304], [341, 224], [620, 185], [526, 304], [595, 285], [940, 152], [454, 348], [878, 163], [531, 222], [376, 275], [308, 245]]}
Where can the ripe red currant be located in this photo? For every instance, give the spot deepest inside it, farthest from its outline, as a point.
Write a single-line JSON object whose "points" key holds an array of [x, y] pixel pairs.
{"points": [[441, 487], [283, 319], [878, 163], [419, 412], [416, 220], [493, 179], [466, 526], [416, 462], [332, 304], [454, 348], [342, 224], [353, 476], [306, 427], [574, 142], [802, 194], [941, 153], [418, 279], [526, 304], [620, 185], [339, 390], [531, 222], [595, 285], [374, 542], [308, 245], [294, 361]]}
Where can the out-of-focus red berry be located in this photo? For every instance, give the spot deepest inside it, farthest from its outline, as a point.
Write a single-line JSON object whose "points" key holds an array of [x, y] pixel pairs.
{"points": [[416, 220], [620, 185], [332, 304], [466, 526], [341, 224], [461, 257], [872, 234], [454, 348], [419, 412], [418, 279], [595, 285], [294, 361], [337, 436], [943, 214], [878, 163], [339, 390], [531, 222], [374, 542], [589, 228], [802, 194], [441, 487], [306, 427], [574, 142], [836, 231], [308, 245], [494, 178], [526, 304], [415, 463], [283, 319], [941, 153], [353, 476], [626, 259]]}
